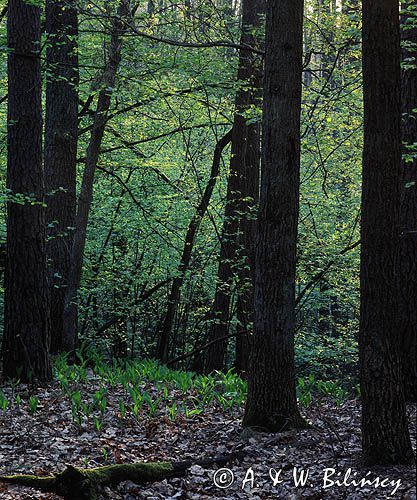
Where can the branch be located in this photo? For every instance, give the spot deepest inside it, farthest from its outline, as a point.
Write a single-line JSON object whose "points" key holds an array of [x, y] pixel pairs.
{"points": [[143, 297], [318, 276], [203, 348], [127, 144], [3, 13], [203, 45]]}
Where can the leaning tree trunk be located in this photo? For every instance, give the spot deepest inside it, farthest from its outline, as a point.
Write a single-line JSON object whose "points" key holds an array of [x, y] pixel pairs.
{"points": [[242, 186], [272, 402], [174, 294], [219, 320], [61, 125], [407, 286], [385, 437], [86, 193], [26, 318]]}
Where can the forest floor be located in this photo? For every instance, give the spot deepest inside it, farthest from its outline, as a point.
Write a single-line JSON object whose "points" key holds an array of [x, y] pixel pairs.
{"points": [[38, 434]]}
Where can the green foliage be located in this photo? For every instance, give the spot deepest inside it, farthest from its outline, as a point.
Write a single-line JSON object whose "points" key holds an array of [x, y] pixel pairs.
{"points": [[327, 357], [4, 403], [170, 106], [33, 404], [149, 390], [310, 389], [224, 389]]}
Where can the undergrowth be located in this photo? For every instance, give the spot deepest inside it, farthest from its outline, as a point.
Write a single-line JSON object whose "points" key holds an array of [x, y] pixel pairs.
{"points": [[148, 390]]}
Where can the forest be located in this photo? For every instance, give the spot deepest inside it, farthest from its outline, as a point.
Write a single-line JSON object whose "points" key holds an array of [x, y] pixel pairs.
{"points": [[208, 249]]}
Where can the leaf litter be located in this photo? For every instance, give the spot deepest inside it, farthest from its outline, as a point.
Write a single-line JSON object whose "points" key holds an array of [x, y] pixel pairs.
{"points": [[44, 440]]}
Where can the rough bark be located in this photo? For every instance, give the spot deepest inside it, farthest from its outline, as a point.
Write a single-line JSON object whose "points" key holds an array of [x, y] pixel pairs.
{"points": [[60, 157], [385, 436], [407, 289], [86, 193], [174, 295], [26, 311], [246, 239], [272, 402], [242, 188]]}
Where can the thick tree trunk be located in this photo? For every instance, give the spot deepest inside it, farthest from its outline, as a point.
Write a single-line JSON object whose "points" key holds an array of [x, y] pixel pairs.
{"points": [[407, 289], [174, 295], [385, 437], [272, 402], [26, 315], [242, 186], [86, 193], [61, 125]]}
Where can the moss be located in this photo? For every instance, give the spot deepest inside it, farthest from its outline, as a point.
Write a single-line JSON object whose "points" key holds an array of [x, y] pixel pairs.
{"points": [[39, 483], [84, 484], [137, 472]]}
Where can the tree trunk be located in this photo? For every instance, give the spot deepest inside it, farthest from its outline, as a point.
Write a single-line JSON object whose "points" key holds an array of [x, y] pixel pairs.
{"points": [[174, 295], [272, 402], [246, 270], [242, 186], [61, 125], [26, 311], [407, 289], [86, 192], [219, 325], [385, 437]]}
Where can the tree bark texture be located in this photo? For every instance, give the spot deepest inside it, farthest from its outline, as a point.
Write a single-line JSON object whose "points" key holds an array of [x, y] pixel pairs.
{"points": [[385, 437], [246, 239], [26, 318], [407, 289], [272, 402], [61, 125]]}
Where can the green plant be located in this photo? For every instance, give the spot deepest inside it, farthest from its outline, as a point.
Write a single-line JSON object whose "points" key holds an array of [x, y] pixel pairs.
{"points": [[224, 401], [63, 381], [76, 407], [173, 411], [333, 390], [105, 453], [206, 390], [305, 388], [4, 403], [33, 404], [122, 409], [191, 412], [152, 404], [100, 399], [98, 424]]}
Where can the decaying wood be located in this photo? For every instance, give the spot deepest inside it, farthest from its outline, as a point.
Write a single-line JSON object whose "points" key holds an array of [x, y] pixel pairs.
{"points": [[85, 484]]}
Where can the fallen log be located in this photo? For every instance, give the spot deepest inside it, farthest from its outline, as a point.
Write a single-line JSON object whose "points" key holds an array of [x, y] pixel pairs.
{"points": [[85, 484]]}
